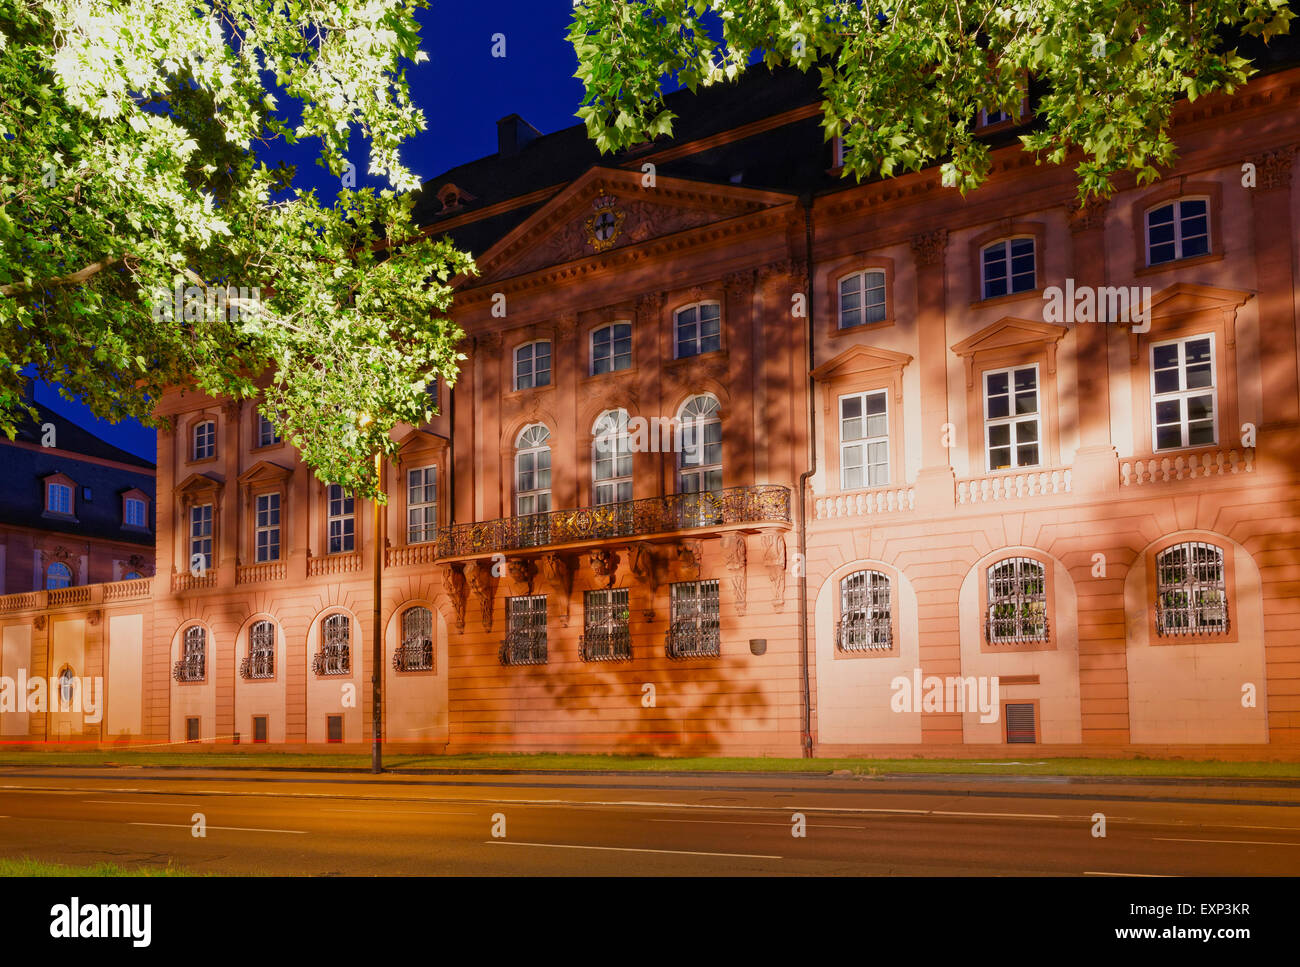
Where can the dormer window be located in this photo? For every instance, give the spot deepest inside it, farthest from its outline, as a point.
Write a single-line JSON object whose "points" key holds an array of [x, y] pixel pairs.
{"points": [[58, 498], [133, 512]]}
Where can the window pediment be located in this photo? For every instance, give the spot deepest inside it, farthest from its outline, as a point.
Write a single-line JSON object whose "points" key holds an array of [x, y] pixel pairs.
{"points": [[1010, 333], [198, 486], [264, 472], [866, 361]]}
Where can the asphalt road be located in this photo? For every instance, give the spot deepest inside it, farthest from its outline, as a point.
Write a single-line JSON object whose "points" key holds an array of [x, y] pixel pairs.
{"points": [[323, 823]]}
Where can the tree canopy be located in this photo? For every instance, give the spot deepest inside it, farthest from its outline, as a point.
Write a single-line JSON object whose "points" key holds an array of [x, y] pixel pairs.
{"points": [[143, 240], [903, 81]]}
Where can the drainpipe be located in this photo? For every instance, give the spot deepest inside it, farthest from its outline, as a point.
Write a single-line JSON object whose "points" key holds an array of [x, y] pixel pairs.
{"points": [[800, 502]]}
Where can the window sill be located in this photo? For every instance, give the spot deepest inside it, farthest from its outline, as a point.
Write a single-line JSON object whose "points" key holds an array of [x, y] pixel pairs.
{"points": [[999, 300], [196, 462], [1143, 269], [515, 393], [837, 330], [684, 360], [136, 529], [266, 446], [56, 515]]}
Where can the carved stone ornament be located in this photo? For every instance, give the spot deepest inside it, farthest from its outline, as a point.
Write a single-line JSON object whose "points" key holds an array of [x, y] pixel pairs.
{"points": [[928, 246], [93, 618], [604, 562], [1273, 168], [689, 556], [641, 562], [1091, 215], [457, 591], [521, 573], [559, 578], [734, 552], [39, 622], [775, 561], [603, 226], [479, 575]]}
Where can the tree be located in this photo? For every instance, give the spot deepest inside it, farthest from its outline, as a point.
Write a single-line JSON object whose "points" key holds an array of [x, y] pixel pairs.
{"points": [[903, 81], [142, 244]]}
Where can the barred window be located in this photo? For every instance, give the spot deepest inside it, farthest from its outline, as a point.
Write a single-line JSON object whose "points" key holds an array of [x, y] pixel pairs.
{"points": [[1017, 600], [194, 654], [606, 635], [866, 617], [525, 642], [260, 662], [694, 618], [1191, 590], [415, 653], [421, 505], [335, 655]]}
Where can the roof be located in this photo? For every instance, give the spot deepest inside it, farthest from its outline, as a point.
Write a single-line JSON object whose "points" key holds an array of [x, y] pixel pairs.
{"points": [[72, 437]]}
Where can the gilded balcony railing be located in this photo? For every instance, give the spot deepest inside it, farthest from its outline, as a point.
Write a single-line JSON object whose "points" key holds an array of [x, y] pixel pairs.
{"points": [[767, 504]]}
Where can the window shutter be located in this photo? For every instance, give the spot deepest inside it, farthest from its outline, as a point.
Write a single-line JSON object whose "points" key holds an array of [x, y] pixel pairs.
{"points": [[1020, 723]]}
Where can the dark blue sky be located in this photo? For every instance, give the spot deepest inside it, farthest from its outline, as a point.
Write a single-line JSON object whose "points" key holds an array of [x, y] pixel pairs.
{"points": [[463, 91]]}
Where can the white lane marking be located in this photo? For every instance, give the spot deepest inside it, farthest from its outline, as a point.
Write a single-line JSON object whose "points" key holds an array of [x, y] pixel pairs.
{"points": [[1239, 842], [129, 802], [238, 829], [948, 812], [630, 849], [1160, 876], [741, 822], [402, 812]]}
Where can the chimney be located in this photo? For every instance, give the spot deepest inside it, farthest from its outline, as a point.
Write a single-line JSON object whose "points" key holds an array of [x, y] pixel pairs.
{"points": [[513, 132]]}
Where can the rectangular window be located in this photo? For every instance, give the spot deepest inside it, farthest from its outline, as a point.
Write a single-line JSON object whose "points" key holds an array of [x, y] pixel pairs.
{"points": [[259, 728], [58, 499], [201, 536], [1183, 393], [1012, 420], [1178, 230], [134, 513], [342, 521], [864, 440], [1008, 266], [525, 642], [611, 348], [1020, 723], [699, 329], [268, 527], [605, 634], [267, 434], [334, 728], [191, 729], [862, 299], [533, 365], [694, 620], [205, 440], [421, 505]]}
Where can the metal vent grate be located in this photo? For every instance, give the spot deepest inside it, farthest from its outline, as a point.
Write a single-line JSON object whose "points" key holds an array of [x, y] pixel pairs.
{"points": [[1020, 723]]}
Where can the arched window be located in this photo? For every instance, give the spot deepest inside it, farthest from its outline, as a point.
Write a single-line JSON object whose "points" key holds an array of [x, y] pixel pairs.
{"points": [[260, 662], [862, 298], [335, 655], [533, 470], [1017, 601], [415, 654], [1178, 230], [533, 365], [866, 618], [698, 329], [58, 575], [1191, 590], [1007, 266], [194, 656], [205, 440], [699, 459], [611, 348], [611, 462]]}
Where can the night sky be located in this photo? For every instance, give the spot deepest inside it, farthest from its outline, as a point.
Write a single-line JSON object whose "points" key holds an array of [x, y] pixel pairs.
{"points": [[463, 91]]}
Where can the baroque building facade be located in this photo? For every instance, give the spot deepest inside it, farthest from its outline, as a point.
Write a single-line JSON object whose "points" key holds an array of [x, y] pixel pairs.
{"points": [[745, 458]]}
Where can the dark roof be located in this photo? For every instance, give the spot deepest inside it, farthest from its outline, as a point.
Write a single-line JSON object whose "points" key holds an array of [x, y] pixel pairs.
{"points": [[22, 481], [774, 160]]}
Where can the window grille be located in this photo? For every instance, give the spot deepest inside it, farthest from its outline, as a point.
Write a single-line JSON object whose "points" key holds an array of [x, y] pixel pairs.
{"points": [[606, 635], [193, 661], [694, 619], [415, 653], [1191, 591], [525, 642], [335, 657], [1017, 600], [865, 613], [260, 662]]}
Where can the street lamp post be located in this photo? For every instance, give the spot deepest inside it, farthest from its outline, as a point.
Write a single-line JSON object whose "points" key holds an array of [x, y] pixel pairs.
{"points": [[377, 646]]}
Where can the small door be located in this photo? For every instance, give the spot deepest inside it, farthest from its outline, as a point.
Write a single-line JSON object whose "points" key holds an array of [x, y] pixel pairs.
{"points": [[192, 729], [334, 728], [259, 728]]}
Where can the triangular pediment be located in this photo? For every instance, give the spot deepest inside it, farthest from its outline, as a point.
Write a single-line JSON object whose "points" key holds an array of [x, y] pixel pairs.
{"points": [[608, 209], [265, 471], [1186, 298], [857, 360], [1008, 332], [198, 483]]}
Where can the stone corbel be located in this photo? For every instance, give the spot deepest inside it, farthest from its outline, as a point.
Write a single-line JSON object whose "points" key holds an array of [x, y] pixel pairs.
{"points": [[559, 578], [775, 562], [734, 552], [479, 575], [689, 556], [39, 622], [641, 562], [604, 563], [457, 591], [93, 618], [928, 247], [521, 573]]}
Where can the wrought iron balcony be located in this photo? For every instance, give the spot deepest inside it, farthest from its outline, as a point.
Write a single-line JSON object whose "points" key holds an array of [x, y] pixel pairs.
{"points": [[606, 644], [524, 647], [415, 656], [690, 639], [332, 660], [859, 633], [257, 666], [755, 506], [189, 669]]}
